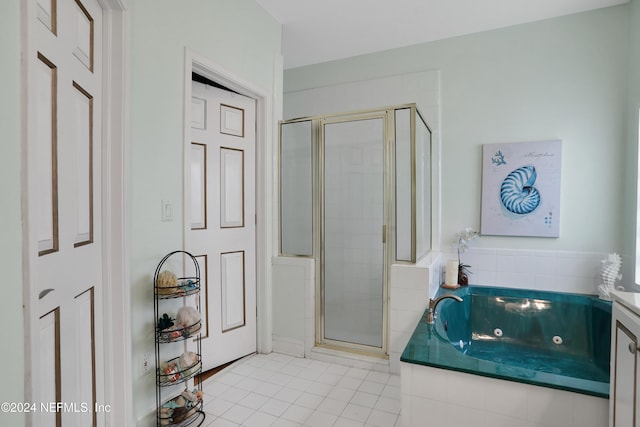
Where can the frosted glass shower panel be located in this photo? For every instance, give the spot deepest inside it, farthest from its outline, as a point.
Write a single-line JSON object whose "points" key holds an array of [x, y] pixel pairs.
{"points": [[412, 185], [296, 188], [353, 261], [423, 188], [404, 208]]}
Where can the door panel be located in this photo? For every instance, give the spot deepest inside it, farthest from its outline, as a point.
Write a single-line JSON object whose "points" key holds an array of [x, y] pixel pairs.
{"points": [[220, 230], [83, 47], [84, 170], [198, 193], [46, 13], [86, 373], [49, 364], [232, 187], [46, 153], [233, 290], [203, 266]]}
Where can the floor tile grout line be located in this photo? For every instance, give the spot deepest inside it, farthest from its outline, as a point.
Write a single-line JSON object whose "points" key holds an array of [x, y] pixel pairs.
{"points": [[246, 369]]}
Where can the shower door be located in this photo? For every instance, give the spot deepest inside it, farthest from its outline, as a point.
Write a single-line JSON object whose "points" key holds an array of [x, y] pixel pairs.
{"points": [[353, 234]]}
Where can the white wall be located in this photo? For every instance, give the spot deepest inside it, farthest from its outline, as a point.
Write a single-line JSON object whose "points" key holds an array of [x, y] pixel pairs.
{"points": [[562, 78], [240, 37], [12, 355]]}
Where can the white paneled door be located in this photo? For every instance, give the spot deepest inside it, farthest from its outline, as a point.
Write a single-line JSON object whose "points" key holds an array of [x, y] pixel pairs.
{"points": [[63, 163], [221, 219]]}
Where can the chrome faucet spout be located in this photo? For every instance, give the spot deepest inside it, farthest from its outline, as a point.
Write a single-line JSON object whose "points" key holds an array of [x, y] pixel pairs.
{"points": [[433, 303]]}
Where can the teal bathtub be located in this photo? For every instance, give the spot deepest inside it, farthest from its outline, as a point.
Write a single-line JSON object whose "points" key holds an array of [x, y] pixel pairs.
{"points": [[548, 339]]}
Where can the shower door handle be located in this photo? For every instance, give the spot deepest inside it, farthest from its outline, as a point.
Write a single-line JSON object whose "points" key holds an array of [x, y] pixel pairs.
{"points": [[384, 234]]}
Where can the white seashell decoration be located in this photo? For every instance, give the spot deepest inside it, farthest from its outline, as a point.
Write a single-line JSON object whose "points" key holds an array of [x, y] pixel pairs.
{"points": [[609, 273]]}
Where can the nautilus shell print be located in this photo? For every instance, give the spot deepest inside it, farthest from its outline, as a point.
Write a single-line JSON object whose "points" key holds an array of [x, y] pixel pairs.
{"points": [[518, 193]]}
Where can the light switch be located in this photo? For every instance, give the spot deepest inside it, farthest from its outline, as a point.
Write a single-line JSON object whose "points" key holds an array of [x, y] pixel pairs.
{"points": [[167, 214]]}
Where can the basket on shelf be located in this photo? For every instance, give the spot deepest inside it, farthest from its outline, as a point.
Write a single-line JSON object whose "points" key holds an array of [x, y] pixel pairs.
{"points": [[172, 372], [167, 285], [178, 333], [181, 410]]}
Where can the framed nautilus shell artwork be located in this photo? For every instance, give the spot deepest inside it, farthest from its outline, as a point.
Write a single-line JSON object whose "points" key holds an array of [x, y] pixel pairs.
{"points": [[521, 189]]}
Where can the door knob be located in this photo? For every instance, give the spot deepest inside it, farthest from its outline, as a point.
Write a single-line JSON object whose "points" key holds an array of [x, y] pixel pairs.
{"points": [[633, 348]]}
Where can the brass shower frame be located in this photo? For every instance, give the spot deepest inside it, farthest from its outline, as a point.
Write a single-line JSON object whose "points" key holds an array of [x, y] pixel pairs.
{"points": [[388, 233]]}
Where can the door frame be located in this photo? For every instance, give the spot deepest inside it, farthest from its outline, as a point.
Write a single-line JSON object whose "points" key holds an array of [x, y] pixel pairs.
{"points": [[268, 112], [118, 389]]}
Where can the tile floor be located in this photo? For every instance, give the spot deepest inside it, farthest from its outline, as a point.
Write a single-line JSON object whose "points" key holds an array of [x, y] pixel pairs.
{"points": [[277, 390]]}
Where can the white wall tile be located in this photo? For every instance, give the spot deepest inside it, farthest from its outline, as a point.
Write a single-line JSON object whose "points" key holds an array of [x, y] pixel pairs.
{"points": [[425, 411], [404, 299], [506, 398], [430, 383], [561, 271], [553, 408], [497, 420], [506, 263], [449, 398], [527, 264], [465, 416], [405, 320], [591, 411], [409, 276], [487, 260], [481, 277], [399, 341], [466, 390], [394, 362]]}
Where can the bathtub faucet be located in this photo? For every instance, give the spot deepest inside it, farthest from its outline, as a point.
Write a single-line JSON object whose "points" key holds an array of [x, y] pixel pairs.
{"points": [[434, 302]]}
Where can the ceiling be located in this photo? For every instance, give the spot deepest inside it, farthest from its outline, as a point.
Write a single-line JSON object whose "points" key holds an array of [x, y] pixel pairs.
{"points": [[319, 31]]}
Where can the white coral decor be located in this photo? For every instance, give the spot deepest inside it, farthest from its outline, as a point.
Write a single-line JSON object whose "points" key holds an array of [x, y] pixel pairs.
{"points": [[609, 272]]}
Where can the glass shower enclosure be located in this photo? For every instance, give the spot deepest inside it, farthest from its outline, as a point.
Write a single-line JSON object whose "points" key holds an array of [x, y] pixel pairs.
{"points": [[355, 195]]}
